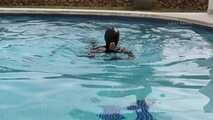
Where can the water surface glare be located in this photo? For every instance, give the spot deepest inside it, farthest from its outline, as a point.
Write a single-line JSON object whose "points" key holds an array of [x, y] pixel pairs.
{"points": [[44, 74]]}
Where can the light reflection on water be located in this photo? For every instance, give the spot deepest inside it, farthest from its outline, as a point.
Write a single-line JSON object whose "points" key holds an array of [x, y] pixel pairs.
{"points": [[43, 74]]}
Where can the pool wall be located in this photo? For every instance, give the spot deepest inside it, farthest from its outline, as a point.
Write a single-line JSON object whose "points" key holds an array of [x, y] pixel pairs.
{"points": [[210, 9], [202, 19]]}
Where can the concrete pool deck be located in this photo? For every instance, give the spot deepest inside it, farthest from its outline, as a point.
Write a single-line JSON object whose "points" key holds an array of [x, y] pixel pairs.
{"points": [[201, 18]]}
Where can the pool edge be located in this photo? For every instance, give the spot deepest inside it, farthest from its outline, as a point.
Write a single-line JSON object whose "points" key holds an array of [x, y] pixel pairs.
{"points": [[203, 19]]}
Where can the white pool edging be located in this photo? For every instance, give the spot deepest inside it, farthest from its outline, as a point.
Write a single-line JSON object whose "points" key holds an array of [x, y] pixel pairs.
{"points": [[203, 19]]}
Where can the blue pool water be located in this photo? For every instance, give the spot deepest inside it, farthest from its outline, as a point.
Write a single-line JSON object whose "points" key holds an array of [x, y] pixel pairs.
{"points": [[44, 74]]}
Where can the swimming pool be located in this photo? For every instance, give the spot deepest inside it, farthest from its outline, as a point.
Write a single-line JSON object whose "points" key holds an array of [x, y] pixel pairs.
{"points": [[44, 74]]}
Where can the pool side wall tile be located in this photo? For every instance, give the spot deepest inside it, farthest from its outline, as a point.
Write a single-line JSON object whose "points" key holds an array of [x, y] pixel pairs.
{"points": [[202, 18]]}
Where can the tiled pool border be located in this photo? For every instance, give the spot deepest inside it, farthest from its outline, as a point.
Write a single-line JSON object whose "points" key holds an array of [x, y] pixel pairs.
{"points": [[203, 19]]}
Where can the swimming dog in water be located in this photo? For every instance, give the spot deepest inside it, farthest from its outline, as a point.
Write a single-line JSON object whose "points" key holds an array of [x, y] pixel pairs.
{"points": [[112, 37]]}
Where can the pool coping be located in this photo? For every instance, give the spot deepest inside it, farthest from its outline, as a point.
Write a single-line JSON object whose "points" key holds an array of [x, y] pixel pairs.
{"points": [[200, 18]]}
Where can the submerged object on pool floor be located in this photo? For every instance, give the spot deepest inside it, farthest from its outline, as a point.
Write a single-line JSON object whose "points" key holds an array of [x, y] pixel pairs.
{"points": [[111, 113], [114, 116], [142, 110]]}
